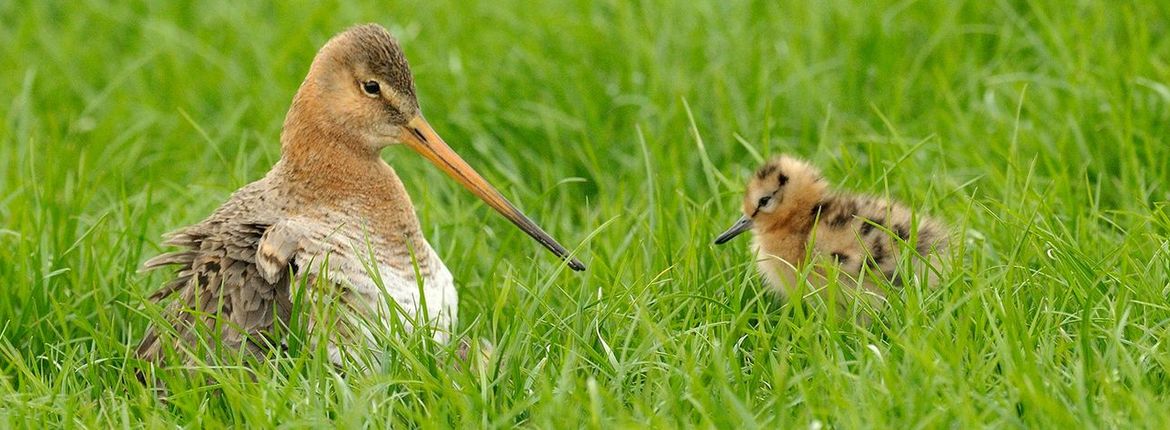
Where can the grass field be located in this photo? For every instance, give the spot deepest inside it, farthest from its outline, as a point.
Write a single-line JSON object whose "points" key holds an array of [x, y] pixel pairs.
{"points": [[1039, 129]]}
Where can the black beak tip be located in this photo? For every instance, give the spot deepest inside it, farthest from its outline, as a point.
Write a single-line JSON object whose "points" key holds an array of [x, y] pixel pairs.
{"points": [[576, 265], [744, 224]]}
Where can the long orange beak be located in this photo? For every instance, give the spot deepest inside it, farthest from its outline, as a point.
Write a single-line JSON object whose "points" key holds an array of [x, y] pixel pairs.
{"points": [[423, 139]]}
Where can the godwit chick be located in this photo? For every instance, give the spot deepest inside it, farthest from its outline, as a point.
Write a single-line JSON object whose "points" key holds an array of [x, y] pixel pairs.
{"points": [[330, 213], [797, 220]]}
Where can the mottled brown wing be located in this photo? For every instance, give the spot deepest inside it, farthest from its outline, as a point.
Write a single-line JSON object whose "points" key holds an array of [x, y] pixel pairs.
{"points": [[220, 290]]}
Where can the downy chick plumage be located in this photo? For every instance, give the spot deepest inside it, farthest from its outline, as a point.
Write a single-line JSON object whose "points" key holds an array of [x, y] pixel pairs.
{"points": [[797, 219]]}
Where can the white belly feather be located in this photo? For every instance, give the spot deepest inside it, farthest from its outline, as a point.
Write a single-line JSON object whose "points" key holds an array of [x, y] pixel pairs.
{"points": [[376, 286]]}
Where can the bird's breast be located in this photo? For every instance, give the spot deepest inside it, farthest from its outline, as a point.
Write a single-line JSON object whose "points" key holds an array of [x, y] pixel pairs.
{"points": [[383, 278]]}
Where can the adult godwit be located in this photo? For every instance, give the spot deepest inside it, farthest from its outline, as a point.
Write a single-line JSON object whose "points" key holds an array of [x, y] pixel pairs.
{"points": [[796, 220], [331, 214]]}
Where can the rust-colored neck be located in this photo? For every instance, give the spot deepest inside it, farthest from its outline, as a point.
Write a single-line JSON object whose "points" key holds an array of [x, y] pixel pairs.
{"points": [[328, 168]]}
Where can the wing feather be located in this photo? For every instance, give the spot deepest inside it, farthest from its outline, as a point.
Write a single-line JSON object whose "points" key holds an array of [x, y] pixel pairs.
{"points": [[225, 278]]}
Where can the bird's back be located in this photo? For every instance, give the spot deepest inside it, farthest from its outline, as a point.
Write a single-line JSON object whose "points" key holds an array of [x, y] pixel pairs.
{"points": [[860, 234]]}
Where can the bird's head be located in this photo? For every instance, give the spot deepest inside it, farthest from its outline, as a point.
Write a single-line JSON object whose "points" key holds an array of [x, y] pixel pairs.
{"points": [[783, 188], [360, 84], [360, 94]]}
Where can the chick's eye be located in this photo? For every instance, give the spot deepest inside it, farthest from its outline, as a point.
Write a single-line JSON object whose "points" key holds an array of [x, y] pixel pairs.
{"points": [[764, 201], [371, 88]]}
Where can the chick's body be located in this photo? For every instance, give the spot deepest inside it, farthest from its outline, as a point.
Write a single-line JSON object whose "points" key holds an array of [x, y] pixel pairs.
{"points": [[797, 220]]}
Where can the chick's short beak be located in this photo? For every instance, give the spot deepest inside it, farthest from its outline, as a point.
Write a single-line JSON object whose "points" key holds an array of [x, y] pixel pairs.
{"points": [[422, 138], [743, 224]]}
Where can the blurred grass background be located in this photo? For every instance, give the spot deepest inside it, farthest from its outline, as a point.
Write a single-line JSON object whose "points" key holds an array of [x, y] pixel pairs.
{"points": [[1038, 128]]}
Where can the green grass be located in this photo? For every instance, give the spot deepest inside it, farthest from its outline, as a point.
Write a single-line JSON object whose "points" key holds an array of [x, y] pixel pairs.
{"points": [[1038, 128]]}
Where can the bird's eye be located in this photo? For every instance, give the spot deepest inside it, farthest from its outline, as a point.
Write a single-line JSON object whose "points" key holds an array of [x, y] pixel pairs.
{"points": [[371, 88], [764, 201]]}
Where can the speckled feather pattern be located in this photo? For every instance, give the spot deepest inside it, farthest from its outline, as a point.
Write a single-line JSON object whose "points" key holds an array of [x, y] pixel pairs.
{"points": [[864, 238]]}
